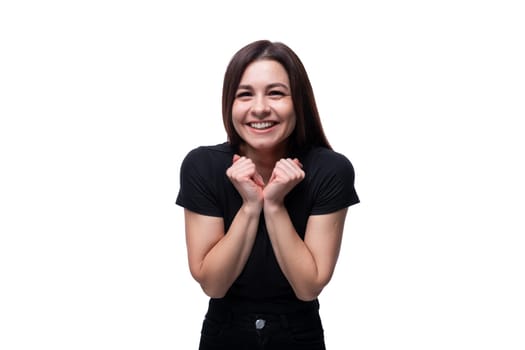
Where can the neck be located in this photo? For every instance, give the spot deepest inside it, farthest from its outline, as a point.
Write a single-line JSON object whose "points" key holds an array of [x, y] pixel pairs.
{"points": [[264, 159]]}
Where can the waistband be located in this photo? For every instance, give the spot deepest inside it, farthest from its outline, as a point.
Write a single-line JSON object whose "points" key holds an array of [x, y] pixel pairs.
{"points": [[267, 316], [261, 307]]}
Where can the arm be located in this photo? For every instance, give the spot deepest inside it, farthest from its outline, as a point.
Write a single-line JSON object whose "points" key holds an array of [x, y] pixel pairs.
{"points": [[308, 265], [216, 259]]}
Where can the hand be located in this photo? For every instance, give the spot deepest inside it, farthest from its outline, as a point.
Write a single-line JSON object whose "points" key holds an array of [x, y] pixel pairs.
{"points": [[285, 176], [248, 182]]}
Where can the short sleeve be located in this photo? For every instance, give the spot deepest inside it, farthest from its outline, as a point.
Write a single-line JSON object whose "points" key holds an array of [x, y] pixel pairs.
{"points": [[334, 185], [197, 192]]}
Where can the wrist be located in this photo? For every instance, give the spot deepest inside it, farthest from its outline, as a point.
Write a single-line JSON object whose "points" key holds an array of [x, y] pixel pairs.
{"points": [[252, 209], [271, 207]]}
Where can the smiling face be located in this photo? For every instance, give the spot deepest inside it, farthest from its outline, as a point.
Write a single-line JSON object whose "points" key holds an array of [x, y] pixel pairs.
{"points": [[263, 113]]}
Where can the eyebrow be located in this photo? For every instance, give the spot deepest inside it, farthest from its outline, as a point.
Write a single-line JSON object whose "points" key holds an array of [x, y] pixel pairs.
{"points": [[278, 85], [270, 86]]}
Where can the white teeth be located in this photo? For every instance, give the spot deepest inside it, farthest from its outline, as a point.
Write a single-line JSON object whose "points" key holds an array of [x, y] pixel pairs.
{"points": [[261, 125]]}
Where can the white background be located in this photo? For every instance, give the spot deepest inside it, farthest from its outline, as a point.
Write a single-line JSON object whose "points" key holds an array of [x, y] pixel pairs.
{"points": [[101, 100]]}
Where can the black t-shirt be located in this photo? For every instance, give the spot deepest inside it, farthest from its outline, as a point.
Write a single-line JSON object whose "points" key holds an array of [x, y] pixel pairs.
{"points": [[205, 189]]}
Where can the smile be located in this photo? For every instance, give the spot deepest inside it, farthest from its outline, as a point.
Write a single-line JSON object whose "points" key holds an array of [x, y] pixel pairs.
{"points": [[262, 125]]}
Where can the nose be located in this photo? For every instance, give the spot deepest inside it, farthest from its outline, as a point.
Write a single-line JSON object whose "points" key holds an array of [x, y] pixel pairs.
{"points": [[260, 108]]}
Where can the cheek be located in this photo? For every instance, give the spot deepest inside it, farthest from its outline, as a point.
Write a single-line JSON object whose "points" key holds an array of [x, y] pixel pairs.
{"points": [[289, 112], [237, 122], [235, 117], [287, 109], [238, 111]]}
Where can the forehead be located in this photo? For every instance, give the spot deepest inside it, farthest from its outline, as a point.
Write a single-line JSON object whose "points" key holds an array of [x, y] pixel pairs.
{"points": [[265, 70]]}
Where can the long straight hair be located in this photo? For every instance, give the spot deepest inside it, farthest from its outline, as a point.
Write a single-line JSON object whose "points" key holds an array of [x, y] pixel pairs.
{"points": [[308, 131]]}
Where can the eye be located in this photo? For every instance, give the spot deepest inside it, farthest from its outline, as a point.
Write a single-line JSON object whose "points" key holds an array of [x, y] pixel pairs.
{"points": [[276, 93], [243, 94]]}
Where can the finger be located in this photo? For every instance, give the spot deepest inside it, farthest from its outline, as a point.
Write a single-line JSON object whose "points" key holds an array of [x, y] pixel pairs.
{"points": [[238, 166], [244, 168], [257, 178], [241, 173], [296, 161], [280, 172], [291, 165], [290, 169], [242, 165]]}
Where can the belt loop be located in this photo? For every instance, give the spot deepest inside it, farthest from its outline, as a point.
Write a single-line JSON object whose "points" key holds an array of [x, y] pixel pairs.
{"points": [[284, 321]]}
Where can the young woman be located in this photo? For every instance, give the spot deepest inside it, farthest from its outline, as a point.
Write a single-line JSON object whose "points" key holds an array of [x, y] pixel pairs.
{"points": [[265, 211]]}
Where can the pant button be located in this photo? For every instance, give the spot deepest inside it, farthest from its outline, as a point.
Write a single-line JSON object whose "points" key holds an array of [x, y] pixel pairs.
{"points": [[260, 323]]}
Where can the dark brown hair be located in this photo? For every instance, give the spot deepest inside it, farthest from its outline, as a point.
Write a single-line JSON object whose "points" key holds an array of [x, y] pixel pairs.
{"points": [[308, 130]]}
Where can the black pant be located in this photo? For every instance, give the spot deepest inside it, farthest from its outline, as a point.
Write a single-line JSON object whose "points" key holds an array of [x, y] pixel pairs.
{"points": [[231, 328]]}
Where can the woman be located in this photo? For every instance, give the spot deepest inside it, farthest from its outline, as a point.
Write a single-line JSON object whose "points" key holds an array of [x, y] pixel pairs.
{"points": [[264, 211]]}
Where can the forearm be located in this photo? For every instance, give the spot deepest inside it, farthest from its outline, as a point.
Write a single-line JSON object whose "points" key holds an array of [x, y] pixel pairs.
{"points": [[226, 260], [295, 259]]}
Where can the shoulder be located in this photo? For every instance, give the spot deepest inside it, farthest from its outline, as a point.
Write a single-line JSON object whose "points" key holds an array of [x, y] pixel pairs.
{"points": [[326, 160], [209, 155], [329, 177], [325, 153], [221, 149]]}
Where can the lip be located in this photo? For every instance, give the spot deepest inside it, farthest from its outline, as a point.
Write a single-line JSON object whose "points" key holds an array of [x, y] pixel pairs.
{"points": [[260, 131]]}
